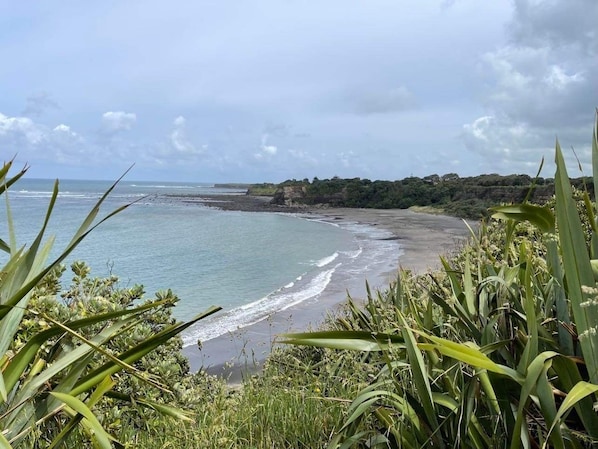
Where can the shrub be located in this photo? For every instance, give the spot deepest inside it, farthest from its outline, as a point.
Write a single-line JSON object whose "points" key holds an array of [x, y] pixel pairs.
{"points": [[498, 350], [59, 363]]}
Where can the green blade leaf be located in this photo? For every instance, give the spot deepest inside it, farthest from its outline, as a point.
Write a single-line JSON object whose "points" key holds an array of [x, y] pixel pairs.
{"points": [[137, 352], [577, 266], [539, 216], [97, 431], [467, 353], [351, 340], [26, 354], [4, 443], [595, 155], [420, 377], [577, 393]]}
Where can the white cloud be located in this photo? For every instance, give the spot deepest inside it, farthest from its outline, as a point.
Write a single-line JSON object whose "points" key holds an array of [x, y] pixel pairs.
{"points": [[556, 23], [266, 150], [509, 146], [177, 149], [501, 140], [63, 129], [113, 139], [179, 121], [347, 159], [558, 79], [179, 139], [303, 157], [269, 149], [20, 129], [116, 121], [68, 146], [540, 85], [64, 132], [34, 140]]}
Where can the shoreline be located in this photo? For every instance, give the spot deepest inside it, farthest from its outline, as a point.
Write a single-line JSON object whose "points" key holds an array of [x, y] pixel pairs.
{"points": [[421, 239]]}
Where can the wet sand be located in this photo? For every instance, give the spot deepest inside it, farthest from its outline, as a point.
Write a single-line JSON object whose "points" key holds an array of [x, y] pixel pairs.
{"points": [[422, 238]]}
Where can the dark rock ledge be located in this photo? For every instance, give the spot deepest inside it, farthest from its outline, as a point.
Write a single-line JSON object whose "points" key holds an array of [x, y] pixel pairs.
{"points": [[245, 203]]}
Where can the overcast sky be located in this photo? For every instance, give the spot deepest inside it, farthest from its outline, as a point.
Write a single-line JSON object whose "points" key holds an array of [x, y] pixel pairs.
{"points": [[268, 90]]}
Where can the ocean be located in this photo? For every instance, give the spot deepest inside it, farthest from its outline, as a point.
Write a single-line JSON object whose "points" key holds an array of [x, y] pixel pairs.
{"points": [[251, 264]]}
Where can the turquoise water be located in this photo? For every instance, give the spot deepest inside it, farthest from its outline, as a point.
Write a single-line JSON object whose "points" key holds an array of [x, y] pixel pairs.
{"points": [[251, 264]]}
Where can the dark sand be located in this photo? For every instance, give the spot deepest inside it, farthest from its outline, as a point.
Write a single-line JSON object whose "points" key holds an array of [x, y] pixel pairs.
{"points": [[422, 238]]}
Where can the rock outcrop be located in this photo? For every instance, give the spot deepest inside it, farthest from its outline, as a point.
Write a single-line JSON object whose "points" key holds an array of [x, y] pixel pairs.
{"points": [[289, 195]]}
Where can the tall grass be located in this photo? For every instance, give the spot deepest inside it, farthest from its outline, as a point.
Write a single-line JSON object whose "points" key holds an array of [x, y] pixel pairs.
{"points": [[298, 401]]}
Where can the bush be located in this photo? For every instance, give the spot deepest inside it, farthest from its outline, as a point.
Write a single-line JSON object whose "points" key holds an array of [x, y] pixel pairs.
{"points": [[61, 363], [498, 350]]}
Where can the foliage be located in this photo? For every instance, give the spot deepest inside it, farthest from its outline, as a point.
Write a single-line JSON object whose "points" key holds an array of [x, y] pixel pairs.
{"points": [[89, 296], [468, 197], [295, 402], [57, 368], [498, 350], [264, 189]]}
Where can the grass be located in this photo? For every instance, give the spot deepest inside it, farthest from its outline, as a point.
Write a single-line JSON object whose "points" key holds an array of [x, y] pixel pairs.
{"points": [[262, 189], [269, 410], [428, 210]]}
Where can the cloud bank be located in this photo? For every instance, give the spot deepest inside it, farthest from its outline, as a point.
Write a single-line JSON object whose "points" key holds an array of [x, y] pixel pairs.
{"points": [[542, 84], [265, 92]]}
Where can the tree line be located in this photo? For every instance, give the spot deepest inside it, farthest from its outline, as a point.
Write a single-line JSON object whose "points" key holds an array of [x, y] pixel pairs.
{"points": [[468, 197]]}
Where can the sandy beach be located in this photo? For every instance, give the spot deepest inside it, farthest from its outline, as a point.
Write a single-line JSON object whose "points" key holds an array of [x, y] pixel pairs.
{"points": [[421, 238]]}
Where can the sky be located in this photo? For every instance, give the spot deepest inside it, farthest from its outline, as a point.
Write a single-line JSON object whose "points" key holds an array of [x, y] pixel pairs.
{"points": [[268, 90]]}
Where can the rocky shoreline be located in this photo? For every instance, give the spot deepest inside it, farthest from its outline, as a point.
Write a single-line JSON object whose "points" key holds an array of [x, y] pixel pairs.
{"points": [[240, 202]]}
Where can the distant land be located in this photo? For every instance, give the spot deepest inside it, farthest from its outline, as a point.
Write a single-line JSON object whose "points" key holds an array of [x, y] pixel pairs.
{"points": [[232, 185], [467, 197]]}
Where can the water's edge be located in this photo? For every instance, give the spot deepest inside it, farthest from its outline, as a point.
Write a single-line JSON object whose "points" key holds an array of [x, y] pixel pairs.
{"points": [[243, 349]]}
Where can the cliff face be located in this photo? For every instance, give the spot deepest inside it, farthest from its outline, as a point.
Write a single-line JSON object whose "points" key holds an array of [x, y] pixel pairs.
{"points": [[289, 195]]}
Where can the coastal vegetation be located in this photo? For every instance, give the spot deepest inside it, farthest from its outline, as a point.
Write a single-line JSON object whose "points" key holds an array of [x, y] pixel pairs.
{"points": [[497, 349], [73, 364], [466, 197]]}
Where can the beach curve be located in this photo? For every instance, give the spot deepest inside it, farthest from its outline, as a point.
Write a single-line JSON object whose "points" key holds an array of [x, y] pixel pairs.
{"points": [[420, 237]]}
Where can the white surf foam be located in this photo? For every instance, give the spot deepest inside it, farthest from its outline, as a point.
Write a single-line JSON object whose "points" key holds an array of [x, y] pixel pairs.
{"points": [[375, 254], [259, 310], [326, 260]]}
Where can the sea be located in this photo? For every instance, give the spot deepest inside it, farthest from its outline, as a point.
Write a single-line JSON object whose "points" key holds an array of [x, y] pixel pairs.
{"points": [[252, 264]]}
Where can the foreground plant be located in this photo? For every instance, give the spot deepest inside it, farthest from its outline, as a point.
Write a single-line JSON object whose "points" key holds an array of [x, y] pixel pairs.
{"points": [[499, 350], [53, 379]]}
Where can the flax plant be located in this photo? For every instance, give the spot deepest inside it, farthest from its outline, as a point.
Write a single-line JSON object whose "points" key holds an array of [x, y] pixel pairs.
{"points": [[500, 349], [50, 385]]}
